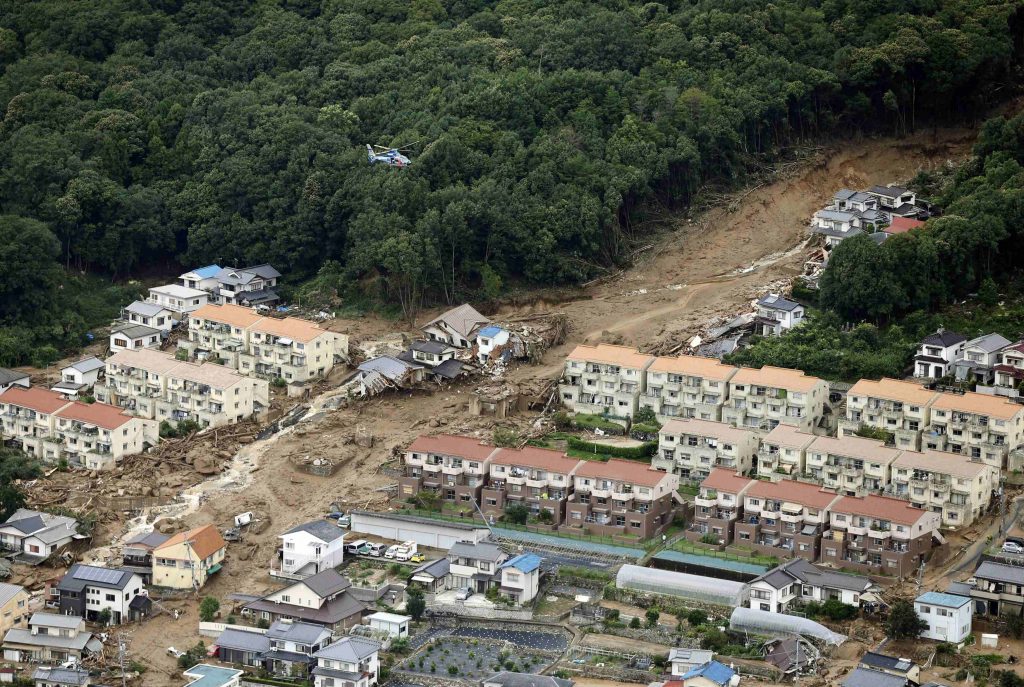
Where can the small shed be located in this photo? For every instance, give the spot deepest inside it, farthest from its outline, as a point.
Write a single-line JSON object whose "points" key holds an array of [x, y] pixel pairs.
{"points": [[394, 625]]}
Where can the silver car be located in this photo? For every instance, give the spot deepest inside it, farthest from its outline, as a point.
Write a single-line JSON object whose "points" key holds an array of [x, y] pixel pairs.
{"points": [[463, 594]]}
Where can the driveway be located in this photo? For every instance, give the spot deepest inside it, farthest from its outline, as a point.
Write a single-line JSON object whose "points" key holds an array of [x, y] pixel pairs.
{"points": [[448, 599]]}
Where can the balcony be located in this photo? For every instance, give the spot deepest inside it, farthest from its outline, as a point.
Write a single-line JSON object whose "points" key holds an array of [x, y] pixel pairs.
{"points": [[709, 500]]}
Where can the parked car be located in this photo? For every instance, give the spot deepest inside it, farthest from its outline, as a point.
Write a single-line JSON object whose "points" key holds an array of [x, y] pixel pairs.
{"points": [[417, 558], [174, 652], [340, 517], [377, 549], [392, 550], [1012, 547], [463, 594], [364, 550], [354, 547]]}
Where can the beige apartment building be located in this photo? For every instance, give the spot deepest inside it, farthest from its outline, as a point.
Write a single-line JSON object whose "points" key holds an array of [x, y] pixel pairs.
{"points": [[691, 448], [770, 396], [688, 387], [953, 485], [783, 451], [87, 435], [853, 466], [979, 426], [901, 408], [604, 380], [289, 348], [157, 386]]}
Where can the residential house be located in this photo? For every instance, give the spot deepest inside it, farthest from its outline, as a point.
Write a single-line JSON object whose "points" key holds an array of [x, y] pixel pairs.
{"points": [[519, 578], [979, 426], [186, 560], [604, 380], [13, 606], [899, 201], [322, 599], [903, 668], [691, 448], [938, 353], [385, 372], [152, 315], [137, 553], [767, 397], [784, 518], [681, 661], [205, 675], [1009, 369], [711, 674], [508, 679], [50, 638], [9, 378], [180, 300], [243, 646], [292, 646], [433, 576], [878, 535], [621, 497], [203, 278], [901, 225], [998, 589], [28, 419], [451, 466], [953, 485], [247, 286], [791, 655], [158, 386], [37, 535], [869, 677], [798, 581], [538, 478], [836, 225], [686, 386], [718, 505], [492, 342], [389, 624], [349, 662], [980, 357], [949, 616], [783, 451], [431, 353], [88, 592], [310, 548], [901, 408], [457, 327], [474, 565], [133, 337], [851, 465], [86, 371], [49, 676], [776, 315]]}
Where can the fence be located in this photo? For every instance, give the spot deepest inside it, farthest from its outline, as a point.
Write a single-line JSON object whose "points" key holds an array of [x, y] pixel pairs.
{"points": [[214, 629], [480, 612]]}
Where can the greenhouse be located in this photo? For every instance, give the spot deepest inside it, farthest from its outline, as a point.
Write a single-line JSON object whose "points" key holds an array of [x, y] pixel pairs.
{"points": [[709, 590], [768, 623]]}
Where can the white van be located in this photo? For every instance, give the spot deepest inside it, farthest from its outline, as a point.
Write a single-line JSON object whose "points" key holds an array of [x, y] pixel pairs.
{"points": [[354, 547], [377, 549]]}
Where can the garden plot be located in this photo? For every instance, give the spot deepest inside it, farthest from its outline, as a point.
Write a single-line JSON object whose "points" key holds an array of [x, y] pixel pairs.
{"points": [[544, 641], [474, 659]]}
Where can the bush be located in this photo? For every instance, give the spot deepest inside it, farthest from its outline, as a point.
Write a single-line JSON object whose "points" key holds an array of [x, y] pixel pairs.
{"points": [[635, 623], [505, 438], [197, 654], [208, 608], [833, 609], [561, 420], [453, 669], [696, 617], [903, 621], [714, 639], [583, 421], [652, 617], [545, 516], [278, 383], [643, 452], [709, 539], [517, 514], [646, 416]]}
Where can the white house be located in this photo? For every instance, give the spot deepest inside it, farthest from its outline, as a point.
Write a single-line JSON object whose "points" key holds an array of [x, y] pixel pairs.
{"points": [[351, 661], [948, 616], [937, 354], [430, 353], [9, 378], [179, 299], [202, 278], [776, 314], [310, 548], [520, 577], [899, 201], [391, 624], [134, 337], [980, 357], [835, 225], [457, 327], [37, 534], [474, 565], [292, 646], [488, 339], [683, 661], [798, 580], [85, 372], [150, 314], [87, 591]]}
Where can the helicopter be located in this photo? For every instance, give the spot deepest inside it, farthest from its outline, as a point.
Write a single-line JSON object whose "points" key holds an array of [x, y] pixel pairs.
{"points": [[390, 156]]}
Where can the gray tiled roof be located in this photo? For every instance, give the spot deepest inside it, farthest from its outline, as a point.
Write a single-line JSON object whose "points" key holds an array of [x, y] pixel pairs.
{"points": [[241, 640], [10, 376], [866, 677], [349, 649], [326, 583], [776, 302], [998, 572], [435, 347], [482, 551], [9, 591], [943, 338], [147, 539], [321, 529], [802, 570], [61, 676], [298, 632], [509, 679], [436, 569], [886, 662], [990, 343], [79, 576], [137, 331], [463, 319], [67, 622], [145, 309]]}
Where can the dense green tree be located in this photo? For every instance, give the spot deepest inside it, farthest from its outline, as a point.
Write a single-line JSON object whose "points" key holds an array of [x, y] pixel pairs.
{"points": [[903, 622]]}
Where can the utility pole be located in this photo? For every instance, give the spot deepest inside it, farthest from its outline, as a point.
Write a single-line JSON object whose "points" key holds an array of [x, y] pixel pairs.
{"points": [[121, 651]]}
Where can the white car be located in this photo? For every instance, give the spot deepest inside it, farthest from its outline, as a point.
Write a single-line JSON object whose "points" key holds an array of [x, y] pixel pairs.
{"points": [[174, 652], [1012, 547], [392, 550]]}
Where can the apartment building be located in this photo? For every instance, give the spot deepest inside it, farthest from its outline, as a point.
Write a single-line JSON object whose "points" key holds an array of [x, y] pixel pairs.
{"points": [[692, 448], [901, 408], [604, 380], [718, 505], [878, 535], [853, 466], [453, 467], [538, 478], [621, 497], [951, 484], [770, 396], [783, 451], [157, 386], [94, 436], [785, 518], [220, 332], [979, 426], [687, 386]]}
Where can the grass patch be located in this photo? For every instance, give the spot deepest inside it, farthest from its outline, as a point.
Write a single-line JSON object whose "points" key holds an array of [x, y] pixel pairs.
{"points": [[592, 422]]}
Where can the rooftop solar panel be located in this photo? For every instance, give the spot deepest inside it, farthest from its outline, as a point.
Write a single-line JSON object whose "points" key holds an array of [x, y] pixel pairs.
{"points": [[101, 575]]}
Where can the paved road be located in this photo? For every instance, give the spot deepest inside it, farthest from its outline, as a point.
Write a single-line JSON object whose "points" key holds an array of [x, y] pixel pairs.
{"points": [[975, 550]]}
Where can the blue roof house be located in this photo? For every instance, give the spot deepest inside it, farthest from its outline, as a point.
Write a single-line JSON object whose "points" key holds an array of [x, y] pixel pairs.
{"points": [[711, 674], [520, 577]]}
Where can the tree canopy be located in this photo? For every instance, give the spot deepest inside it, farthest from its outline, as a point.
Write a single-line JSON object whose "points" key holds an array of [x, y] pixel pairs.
{"points": [[144, 134]]}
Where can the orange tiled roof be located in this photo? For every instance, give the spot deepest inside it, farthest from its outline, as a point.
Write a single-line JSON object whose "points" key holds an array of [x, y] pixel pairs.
{"points": [[99, 414], [776, 377], [204, 541], [40, 400], [802, 493], [535, 457], [723, 479], [452, 445], [623, 356], [234, 315], [621, 471], [695, 366], [880, 508]]}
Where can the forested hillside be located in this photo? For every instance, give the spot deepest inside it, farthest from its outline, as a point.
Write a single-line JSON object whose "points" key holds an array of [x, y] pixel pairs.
{"points": [[137, 134]]}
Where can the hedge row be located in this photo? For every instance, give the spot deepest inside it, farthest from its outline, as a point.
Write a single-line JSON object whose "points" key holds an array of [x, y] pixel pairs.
{"points": [[598, 422], [632, 452]]}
